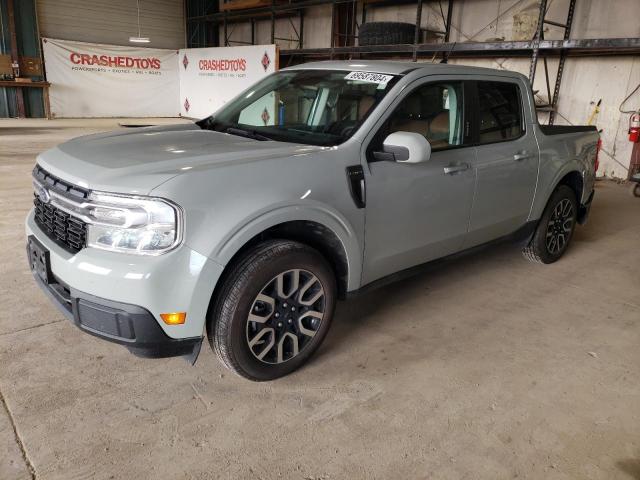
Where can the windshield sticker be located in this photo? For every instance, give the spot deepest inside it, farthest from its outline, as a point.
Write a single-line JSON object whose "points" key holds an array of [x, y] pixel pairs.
{"points": [[369, 77]]}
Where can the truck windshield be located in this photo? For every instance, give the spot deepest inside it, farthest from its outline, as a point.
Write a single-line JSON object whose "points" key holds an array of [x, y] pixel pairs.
{"points": [[315, 107]]}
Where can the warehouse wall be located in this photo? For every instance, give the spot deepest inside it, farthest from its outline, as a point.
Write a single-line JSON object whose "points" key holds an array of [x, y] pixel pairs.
{"points": [[113, 22], [585, 81], [317, 30]]}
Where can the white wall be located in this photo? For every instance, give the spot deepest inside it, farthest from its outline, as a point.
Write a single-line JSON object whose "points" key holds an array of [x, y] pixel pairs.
{"points": [[113, 22], [585, 80]]}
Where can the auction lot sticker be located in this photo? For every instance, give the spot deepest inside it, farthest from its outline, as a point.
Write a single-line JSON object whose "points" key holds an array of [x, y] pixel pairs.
{"points": [[369, 77]]}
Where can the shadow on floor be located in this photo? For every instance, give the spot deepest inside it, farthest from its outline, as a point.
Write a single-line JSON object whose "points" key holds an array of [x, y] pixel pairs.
{"points": [[353, 316], [630, 466]]}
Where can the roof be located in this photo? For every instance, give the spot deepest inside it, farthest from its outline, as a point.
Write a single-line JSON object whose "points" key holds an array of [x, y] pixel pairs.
{"points": [[395, 68]]}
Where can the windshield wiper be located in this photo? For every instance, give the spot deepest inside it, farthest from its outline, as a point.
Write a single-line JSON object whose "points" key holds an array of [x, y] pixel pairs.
{"points": [[210, 123], [246, 133]]}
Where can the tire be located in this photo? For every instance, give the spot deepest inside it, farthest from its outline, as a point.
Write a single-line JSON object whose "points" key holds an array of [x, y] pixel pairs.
{"points": [[555, 229], [252, 327], [635, 191], [386, 33]]}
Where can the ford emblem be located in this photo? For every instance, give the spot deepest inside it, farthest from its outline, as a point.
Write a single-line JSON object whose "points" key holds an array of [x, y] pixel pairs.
{"points": [[43, 194]]}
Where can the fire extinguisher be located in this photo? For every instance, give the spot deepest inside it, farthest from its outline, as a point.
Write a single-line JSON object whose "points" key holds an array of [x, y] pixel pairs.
{"points": [[634, 127]]}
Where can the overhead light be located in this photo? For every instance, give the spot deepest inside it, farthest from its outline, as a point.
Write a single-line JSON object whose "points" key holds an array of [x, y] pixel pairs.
{"points": [[138, 39]]}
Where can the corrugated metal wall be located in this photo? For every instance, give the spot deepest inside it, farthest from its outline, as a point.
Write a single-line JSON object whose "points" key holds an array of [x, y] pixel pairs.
{"points": [[113, 22]]}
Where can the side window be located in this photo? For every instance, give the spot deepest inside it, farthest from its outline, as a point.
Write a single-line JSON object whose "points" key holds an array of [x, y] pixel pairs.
{"points": [[500, 112], [435, 111]]}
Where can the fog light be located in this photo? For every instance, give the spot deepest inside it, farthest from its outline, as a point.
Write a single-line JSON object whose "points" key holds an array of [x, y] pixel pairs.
{"points": [[175, 318]]}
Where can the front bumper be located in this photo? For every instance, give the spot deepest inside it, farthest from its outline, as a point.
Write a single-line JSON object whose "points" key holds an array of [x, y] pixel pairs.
{"points": [[119, 297], [128, 325]]}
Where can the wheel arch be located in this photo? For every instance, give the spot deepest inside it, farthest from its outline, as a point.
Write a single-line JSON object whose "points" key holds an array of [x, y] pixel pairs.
{"points": [[569, 176], [573, 180], [311, 233], [326, 231]]}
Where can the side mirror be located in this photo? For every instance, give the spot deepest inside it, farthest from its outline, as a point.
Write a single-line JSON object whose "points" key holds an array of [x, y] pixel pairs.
{"points": [[407, 147]]}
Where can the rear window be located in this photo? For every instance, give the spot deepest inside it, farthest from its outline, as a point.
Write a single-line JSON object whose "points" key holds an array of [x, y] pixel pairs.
{"points": [[500, 112]]}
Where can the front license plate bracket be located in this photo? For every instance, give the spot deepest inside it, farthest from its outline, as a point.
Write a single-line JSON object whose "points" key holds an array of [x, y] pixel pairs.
{"points": [[39, 261]]}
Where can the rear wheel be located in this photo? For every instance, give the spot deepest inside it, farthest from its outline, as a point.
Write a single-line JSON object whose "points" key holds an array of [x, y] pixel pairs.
{"points": [[635, 191], [555, 229], [273, 311]]}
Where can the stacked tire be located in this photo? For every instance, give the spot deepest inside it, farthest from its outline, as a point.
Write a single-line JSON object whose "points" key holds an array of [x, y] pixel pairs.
{"points": [[386, 33]]}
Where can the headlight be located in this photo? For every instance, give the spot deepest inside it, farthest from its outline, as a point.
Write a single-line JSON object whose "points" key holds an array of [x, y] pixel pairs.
{"points": [[140, 225]]}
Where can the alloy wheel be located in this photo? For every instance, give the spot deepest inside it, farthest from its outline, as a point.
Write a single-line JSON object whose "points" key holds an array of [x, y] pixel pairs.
{"points": [[560, 227], [285, 316]]}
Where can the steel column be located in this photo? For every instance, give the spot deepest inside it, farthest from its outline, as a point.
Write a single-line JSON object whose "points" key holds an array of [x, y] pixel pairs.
{"points": [[563, 58], [536, 41], [333, 27], [226, 35], [273, 22], [301, 30], [14, 56], [417, 38], [447, 27]]}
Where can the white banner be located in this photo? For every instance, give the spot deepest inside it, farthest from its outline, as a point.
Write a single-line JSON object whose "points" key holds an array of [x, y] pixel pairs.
{"points": [[209, 77], [92, 80]]}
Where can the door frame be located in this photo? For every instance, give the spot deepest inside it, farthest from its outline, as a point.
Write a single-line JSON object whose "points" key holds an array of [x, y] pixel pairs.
{"points": [[527, 120], [468, 139]]}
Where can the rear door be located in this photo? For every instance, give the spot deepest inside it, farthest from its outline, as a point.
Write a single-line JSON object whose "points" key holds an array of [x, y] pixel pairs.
{"points": [[506, 160], [419, 212]]}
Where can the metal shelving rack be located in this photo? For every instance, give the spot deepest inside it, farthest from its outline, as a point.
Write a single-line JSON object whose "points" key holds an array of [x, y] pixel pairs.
{"points": [[342, 44], [563, 57]]}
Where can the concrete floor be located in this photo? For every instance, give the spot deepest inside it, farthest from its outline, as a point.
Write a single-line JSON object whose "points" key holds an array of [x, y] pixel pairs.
{"points": [[486, 367]]}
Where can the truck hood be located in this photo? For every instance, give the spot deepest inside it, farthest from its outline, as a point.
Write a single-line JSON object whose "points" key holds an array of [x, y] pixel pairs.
{"points": [[137, 160]]}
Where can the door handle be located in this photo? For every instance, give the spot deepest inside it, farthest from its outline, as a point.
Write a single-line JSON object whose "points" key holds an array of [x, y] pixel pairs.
{"points": [[453, 169], [521, 156]]}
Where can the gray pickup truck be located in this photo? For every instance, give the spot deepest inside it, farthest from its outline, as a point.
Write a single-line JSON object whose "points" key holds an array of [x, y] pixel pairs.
{"points": [[316, 182]]}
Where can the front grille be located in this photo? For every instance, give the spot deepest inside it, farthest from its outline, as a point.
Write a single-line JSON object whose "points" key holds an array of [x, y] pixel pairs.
{"points": [[67, 231]]}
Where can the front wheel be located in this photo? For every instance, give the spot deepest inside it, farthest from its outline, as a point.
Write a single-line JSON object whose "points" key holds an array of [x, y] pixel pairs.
{"points": [[555, 229], [273, 310], [635, 191]]}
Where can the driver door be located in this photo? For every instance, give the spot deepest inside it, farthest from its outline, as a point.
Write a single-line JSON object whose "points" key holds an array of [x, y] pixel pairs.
{"points": [[419, 212]]}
